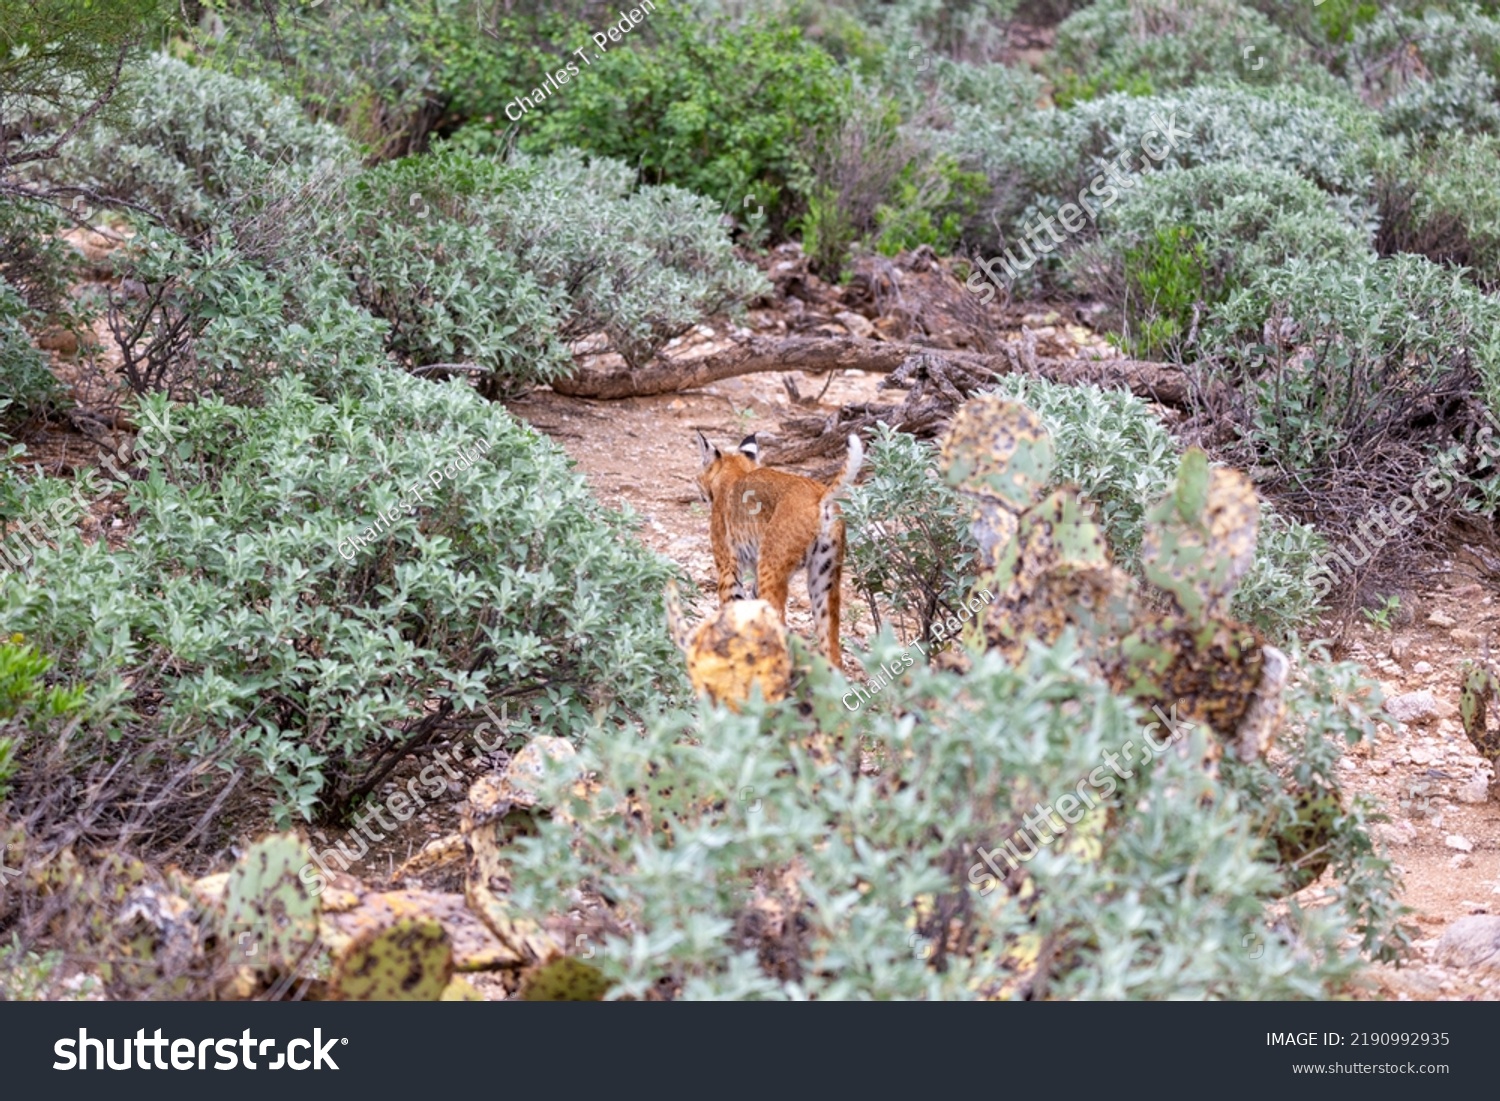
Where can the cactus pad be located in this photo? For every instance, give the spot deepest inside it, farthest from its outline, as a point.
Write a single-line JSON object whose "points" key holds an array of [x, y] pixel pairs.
{"points": [[410, 961], [998, 450], [564, 979], [270, 917], [1200, 539], [1477, 689]]}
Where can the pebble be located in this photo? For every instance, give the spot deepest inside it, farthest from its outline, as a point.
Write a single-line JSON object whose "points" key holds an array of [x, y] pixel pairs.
{"points": [[1463, 636], [1420, 756], [1460, 860], [1460, 842], [1380, 768], [1422, 667], [1475, 791], [1472, 941], [1412, 707], [1442, 619]]}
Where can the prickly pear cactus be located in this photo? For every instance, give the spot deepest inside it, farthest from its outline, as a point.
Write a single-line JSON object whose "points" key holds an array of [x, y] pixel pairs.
{"points": [[410, 961], [563, 979], [998, 454], [270, 917], [743, 646], [1054, 573], [1200, 539], [1478, 686]]}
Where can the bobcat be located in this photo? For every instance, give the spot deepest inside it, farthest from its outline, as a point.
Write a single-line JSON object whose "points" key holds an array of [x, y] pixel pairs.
{"points": [[768, 524]]}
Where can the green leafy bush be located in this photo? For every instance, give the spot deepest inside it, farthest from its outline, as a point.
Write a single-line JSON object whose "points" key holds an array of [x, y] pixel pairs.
{"points": [[423, 260], [1431, 73], [288, 606], [28, 703], [469, 259], [1179, 244], [1351, 378], [1046, 159], [26, 383], [377, 71], [727, 112], [741, 856]]}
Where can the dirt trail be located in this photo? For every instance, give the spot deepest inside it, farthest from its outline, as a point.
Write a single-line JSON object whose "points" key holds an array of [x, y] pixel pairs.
{"points": [[640, 453]]}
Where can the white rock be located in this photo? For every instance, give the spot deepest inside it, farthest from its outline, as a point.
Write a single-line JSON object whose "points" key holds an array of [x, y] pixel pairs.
{"points": [[1440, 619], [1412, 707], [1476, 790], [1460, 860], [1460, 842], [1472, 941], [1422, 667], [1420, 756], [1380, 768]]}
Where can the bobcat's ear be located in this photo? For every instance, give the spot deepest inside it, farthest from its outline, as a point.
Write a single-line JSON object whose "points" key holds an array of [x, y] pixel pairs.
{"points": [[706, 451], [749, 447]]}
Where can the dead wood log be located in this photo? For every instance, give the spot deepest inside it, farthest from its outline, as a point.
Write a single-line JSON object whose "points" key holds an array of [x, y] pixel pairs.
{"points": [[1158, 382]]}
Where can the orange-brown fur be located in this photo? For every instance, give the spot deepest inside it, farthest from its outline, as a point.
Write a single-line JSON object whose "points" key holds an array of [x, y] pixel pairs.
{"points": [[765, 525]]}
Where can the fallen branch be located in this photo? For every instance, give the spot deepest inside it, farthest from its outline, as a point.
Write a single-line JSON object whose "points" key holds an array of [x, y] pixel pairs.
{"points": [[1158, 382]]}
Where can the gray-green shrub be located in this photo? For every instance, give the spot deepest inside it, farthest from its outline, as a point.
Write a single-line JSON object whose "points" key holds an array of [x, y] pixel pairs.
{"points": [[239, 615], [738, 856]]}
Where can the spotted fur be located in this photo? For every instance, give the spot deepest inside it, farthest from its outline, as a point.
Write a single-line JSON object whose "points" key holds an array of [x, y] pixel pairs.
{"points": [[765, 525]]}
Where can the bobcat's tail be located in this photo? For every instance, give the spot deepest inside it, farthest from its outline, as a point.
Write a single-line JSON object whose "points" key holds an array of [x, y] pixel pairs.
{"points": [[828, 510], [851, 468]]}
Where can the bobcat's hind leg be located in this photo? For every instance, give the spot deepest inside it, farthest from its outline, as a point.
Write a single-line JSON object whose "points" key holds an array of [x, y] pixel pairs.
{"points": [[825, 570]]}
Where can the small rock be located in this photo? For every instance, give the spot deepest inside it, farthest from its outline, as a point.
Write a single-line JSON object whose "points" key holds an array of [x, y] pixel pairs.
{"points": [[1420, 756], [1412, 707], [1472, 941], [1398, 832], [1441, 619], [1422, 667], [676, 404], [1460, 860], [1407, 981], [1380, 768], [1460, 842], [857, 325], [1476, 791], [1463, 636]]}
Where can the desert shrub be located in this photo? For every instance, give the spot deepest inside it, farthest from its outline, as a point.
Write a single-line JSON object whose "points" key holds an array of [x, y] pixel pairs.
{"points": [[1430, 73], [470, 259], [30, 701], [1182, 241], [288, 605], [741, 856], [641, 265], [1443, 203], [36, 264], [1045, 159], [910, 551], [375, 70], [27, 386], [194, 145], [422, 260], [721, 111], [1327, 24], [1348, 380], [222, 318], [1147, 46]]}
